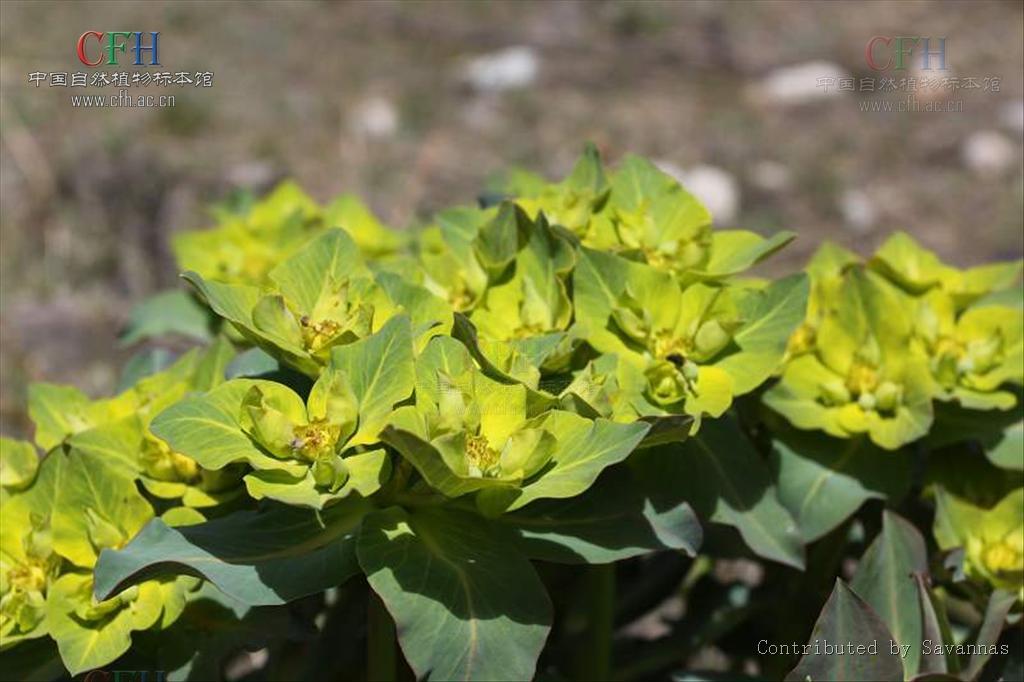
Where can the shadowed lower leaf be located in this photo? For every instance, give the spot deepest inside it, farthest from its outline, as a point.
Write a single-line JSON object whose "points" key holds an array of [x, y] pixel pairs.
{"points": [[467, 605], [846, 618], [258, 558], [885, 580]]}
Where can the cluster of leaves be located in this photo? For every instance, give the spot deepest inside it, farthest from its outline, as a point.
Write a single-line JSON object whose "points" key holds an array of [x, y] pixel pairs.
{"points": [[574, 374]]}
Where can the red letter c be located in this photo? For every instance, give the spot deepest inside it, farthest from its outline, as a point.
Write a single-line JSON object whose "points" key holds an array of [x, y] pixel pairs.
{"points": [[869, 53], [81, 48]]}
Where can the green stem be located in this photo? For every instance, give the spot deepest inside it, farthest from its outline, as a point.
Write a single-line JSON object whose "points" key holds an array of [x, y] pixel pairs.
{"points": [[594, 660], [381, 661]]}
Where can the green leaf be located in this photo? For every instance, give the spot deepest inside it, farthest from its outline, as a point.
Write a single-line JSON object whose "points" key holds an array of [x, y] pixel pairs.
{"points": [[314, 271], [585, 449], [1006, 451], [1000, 434], [429, 463], [350, 214], [500, 360], [430, 314], [999, 605], [254, 362], [118, 443], [885, 580], [770, 318], [582, 449], [366, 473], [904, 261], [146, 362], [934, 628], [498, 240], [822, 481], [206, 428], [599, 281], [637, 181], [233, 302], [846, 618], [721, 475], [466, 604], [1011, 297], [87, 644], [210, 630], [211, 367], [19, 462], [259, 558], [168, 312], [379, 370], [59, 411], [588, 172], [97, 505], [668, 429], [733, 251], [611, 521]]}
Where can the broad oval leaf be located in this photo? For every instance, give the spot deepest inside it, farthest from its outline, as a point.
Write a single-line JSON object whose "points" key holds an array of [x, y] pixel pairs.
{"points": [[88, 644], [467, 605], [822, 481], [770, 316], [169, 312], [19, 462], [725, 480], [380, 373], [259, 558], [585, 449], [612, 521]]}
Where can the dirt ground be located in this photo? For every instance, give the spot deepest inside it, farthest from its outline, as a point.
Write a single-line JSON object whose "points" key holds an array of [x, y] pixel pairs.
{"points": [[392, 101]]}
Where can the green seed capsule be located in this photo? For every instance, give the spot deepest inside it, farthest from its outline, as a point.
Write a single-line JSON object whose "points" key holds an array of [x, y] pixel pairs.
{"points": [[835, 392], [711, 338], [330, 473], [965, 365], [928, 324], [888, 396], [867, 401], [944, 368], [983, 353], [692, 254], [667, 383], [691, 371]]}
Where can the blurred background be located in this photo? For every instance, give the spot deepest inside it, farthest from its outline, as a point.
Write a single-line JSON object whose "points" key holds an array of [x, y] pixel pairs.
{"points": [[414, 105]]}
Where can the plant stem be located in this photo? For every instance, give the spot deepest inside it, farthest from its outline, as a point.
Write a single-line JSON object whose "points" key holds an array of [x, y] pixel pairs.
{"points": [[381, 662], [594, 661]]}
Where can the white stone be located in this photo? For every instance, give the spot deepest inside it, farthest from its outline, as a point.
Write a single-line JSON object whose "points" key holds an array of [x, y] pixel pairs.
{"points": [[374, 117], [508, 69], [770, 176], [858, 210], [716, 188], [1011, 115], [987, 152], [799, 84], [255, 174]]}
